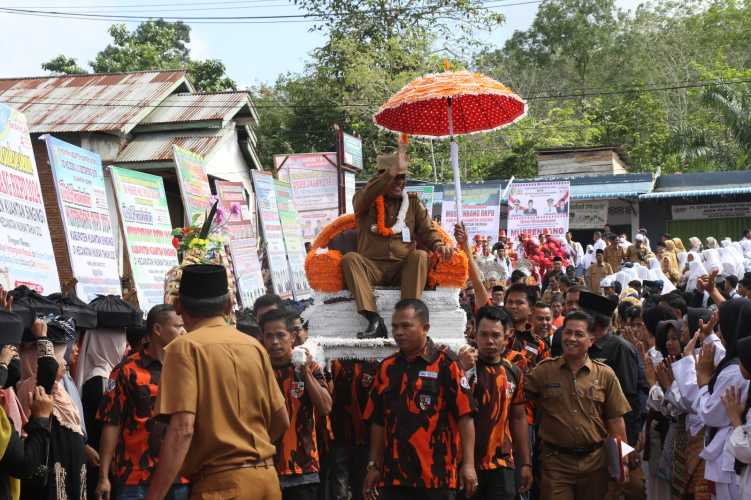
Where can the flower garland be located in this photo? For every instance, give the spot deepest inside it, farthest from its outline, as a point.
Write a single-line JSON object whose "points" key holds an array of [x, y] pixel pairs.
{"points": [[380, 226]]}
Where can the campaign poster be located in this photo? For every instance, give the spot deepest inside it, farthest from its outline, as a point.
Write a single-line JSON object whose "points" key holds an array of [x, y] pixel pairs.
{"points": [[537, 208], [147, 230], [193, 181], [243, 245], [82, 197], [481, 209], [273, 237], [425, 193], [293, 239], [26, 254], [315, 188], [588, 214]]}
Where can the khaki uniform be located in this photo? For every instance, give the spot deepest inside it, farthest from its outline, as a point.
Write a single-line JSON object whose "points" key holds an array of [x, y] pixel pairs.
{"points": [[614, 256], [640, 255], [595, 274], [573, 411], [388, 261], [226, 380]]}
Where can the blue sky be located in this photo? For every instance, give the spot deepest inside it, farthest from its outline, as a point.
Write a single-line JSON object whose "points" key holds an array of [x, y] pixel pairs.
{"points": [[253, 53]]}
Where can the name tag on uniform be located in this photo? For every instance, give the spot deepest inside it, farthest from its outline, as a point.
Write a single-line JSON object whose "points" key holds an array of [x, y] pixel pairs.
{"points": [[531, 349], [427, 374], [406, 237]]}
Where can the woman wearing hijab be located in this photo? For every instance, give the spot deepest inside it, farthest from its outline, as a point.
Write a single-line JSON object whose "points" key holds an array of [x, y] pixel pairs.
{"points": [[739, 442], [101, 351], [66, 468], [696, 245], [711, 242], [713, 384]]}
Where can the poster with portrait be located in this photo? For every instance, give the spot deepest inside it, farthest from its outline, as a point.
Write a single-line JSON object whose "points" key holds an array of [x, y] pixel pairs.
{"points": [[536, 208]]}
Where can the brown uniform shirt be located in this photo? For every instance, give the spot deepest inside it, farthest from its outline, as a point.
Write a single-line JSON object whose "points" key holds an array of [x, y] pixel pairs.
{"points": [[614, 256], [225, 378], [573, 409], [376, 247], [640, 255], [595, 274]]}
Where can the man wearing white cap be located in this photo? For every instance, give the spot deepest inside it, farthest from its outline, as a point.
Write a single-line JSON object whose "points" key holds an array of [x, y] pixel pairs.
{"points": [[638, 252]]}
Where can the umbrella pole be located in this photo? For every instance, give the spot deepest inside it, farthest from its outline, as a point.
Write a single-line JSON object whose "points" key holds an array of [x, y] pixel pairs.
{"points": [[455, 166]]}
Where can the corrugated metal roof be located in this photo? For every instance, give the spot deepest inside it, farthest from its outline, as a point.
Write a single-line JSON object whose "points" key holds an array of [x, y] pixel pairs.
{"points": [[105, 102], [701, 184], [180, 108], [158, 148]]}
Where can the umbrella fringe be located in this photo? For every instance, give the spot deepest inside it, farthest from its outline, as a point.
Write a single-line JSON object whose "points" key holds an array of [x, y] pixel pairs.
{"points": [[447, 136]]}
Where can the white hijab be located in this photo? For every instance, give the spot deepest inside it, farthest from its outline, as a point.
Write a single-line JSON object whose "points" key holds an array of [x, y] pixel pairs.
{"points": [[655, 269], [695, 244], [102, 349], [589, 257], [695, 271], [712, 260]]}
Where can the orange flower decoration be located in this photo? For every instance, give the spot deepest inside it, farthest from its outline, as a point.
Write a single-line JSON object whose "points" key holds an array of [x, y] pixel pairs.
{"points": [[380, 205], [324, 269]]}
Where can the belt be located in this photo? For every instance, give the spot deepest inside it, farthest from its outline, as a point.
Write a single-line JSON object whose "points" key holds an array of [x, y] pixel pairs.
{"points": [[267, 463], [577, 452]]}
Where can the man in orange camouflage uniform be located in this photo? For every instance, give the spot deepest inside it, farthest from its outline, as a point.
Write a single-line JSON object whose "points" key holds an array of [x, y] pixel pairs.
{"points": [[352, 380], [420, 411], [306, 395], [501, 418], [131, 435]]}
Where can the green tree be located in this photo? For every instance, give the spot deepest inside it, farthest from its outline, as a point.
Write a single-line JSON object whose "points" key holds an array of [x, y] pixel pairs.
{"points": [[63, 65], [729, 150], [153, 45]]}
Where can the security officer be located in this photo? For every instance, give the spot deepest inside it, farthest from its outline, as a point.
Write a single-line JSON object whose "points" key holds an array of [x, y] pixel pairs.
{"points": [[624, 359], [389, 224], [224, 405], [580, 404]]}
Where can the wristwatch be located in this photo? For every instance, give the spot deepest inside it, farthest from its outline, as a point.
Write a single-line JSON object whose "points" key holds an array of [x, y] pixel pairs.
{"points": [[372, 465]]}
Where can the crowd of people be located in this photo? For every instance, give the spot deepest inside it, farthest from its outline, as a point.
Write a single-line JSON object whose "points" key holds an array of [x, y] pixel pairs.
{"points": [[670, 323], [640, 342]]}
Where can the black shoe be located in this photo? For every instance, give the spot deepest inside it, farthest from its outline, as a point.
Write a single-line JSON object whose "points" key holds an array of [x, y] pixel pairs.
{"points": [[376, 329]]}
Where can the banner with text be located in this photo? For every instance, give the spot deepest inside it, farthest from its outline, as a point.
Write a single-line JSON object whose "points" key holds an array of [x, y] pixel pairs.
{"points": [[147, 229], [273, 237], [315, 188], [538, 207], [481, 208], [425, 193], [293, 240], [711, 211], [242, 242], [588, 215], [26, 254], [193, 181], [81, 195]]}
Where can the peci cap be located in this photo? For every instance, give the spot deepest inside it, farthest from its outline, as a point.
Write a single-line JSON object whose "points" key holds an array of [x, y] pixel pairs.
{"points": [[203, 281], [593, 303]]}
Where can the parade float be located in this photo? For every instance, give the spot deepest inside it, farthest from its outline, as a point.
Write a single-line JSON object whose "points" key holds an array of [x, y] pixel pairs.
{"points": [[441, 105]]}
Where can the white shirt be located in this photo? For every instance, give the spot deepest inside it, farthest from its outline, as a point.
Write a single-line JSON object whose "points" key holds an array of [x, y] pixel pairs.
{"points": [[599, 245], [739, 446]]}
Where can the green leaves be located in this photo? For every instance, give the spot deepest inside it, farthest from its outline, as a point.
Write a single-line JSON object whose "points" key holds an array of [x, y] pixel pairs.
{"points": [[153, 45]]}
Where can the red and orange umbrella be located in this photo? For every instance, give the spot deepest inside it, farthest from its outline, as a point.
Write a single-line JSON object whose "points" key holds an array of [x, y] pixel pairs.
{"points": [[448, 104]]}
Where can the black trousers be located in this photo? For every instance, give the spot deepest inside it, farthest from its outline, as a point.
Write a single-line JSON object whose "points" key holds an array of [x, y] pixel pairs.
{"points": [[406, 493], [347, 474], [303, 492], [496, 484]]}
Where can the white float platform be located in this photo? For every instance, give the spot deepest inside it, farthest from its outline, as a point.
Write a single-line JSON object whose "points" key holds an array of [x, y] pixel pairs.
{"points": [[334, 326]]}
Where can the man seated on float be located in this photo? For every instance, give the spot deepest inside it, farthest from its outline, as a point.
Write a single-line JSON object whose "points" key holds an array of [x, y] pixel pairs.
{"points": [[390, 223]]}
